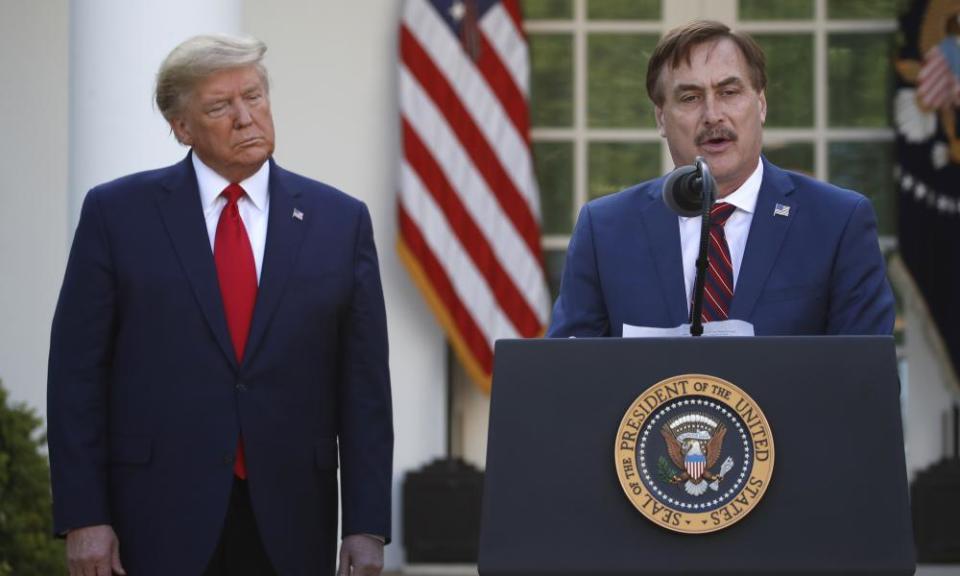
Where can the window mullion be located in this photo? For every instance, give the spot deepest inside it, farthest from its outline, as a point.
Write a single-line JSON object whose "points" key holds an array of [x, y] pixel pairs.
{"points": [[580, 105], [821, 100]]}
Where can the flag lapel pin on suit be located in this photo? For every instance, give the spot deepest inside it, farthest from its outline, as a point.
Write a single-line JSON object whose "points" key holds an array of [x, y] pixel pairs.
{"points": [[781, 210], [297, 214]]}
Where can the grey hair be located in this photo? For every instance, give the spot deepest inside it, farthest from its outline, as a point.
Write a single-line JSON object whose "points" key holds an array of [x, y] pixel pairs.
{"points": [[199, 57]]}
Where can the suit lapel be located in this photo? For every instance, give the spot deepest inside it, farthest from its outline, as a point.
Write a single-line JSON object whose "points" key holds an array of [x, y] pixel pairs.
{"points": [[767, 232], [284, 236], [182, 213], [663, 239]]}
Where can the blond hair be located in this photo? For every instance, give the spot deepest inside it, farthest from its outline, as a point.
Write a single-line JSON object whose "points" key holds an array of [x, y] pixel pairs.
{"points": [[199, 57]]}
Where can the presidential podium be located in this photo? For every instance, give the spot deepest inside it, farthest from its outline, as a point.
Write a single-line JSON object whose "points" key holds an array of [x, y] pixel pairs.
{"points": [[836, 501]]}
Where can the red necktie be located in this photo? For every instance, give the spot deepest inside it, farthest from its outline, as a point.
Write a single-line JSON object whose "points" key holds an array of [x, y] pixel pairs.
{"points": [[237, 274], [718, 288]]}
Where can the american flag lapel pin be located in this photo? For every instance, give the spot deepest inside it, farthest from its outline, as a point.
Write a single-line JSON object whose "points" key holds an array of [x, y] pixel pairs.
{"points": [[781, 210], [297, 214]]}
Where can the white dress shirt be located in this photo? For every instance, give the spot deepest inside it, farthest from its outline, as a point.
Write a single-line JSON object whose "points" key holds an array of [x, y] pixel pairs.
{"points": [[736, 230], [254, 207]]}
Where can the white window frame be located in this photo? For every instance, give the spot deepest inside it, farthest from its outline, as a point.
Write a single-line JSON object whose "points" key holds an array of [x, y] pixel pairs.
{"points": [[676, 12]]}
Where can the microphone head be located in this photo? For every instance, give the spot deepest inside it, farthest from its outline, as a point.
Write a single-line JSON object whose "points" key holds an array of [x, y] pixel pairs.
{"points": [[682, 191]]}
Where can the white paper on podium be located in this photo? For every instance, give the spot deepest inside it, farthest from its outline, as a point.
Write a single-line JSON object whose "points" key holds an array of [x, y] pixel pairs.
{"points": [[721, 328]]}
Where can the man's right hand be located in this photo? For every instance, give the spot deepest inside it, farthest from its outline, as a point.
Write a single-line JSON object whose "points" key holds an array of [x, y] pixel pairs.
{"points": [[93, 551]]}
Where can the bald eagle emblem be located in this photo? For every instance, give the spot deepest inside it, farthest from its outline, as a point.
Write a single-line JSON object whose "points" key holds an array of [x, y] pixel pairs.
{"points": [[694, 453], [694, 442]]}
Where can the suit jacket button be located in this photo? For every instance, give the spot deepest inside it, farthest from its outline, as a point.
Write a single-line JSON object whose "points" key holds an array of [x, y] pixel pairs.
{"points": [[241, 386], [228, 459]]}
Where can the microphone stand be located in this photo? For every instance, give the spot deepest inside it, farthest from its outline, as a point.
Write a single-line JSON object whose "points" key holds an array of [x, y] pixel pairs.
{"points": [[709, 193]]}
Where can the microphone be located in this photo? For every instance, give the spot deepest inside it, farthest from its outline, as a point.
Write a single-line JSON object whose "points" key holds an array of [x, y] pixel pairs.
{"points": [[683, 189], [691, 191]]}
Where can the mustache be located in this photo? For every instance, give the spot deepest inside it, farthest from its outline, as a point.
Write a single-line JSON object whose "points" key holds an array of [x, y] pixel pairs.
{"points": [[715, 133]]}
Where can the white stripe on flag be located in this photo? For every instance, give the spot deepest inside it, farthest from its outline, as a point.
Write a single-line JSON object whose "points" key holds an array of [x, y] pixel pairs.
{"points": [[502, 33], [483, 106], [509, 248], [466, 280]]}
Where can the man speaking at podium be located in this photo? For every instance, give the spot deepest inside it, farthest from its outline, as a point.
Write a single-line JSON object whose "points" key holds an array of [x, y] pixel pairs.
{"points": [[788, 254]]}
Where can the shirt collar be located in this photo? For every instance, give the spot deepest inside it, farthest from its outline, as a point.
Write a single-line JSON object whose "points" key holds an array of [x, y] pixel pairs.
{"points": [[212, 184], [744, 197]]}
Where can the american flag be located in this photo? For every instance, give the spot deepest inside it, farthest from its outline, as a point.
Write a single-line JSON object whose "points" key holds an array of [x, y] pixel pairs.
{"points": [[937, 86], [469, 207], [927, 173]]}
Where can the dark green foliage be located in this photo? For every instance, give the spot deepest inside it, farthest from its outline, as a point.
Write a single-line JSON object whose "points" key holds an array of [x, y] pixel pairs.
{"points": [[667, 472], [27, 547]]}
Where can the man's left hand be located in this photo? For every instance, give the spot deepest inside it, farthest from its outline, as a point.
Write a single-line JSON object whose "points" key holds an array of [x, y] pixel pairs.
{"points": [[360, 555]]}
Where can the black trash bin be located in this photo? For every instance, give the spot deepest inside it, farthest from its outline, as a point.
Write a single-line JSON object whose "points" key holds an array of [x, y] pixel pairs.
{"points": [[441, 512]]}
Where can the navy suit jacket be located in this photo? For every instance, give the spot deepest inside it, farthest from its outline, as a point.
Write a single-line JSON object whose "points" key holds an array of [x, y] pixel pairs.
{"points": [[817, 270], [146, 399]]}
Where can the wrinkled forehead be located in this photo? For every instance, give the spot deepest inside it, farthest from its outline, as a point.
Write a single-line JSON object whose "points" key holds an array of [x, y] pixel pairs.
{"points": [[229, 80], [708, 64]]}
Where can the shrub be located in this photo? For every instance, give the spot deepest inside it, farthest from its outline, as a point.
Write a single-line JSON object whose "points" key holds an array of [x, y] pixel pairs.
{"points": [[27, 545]]}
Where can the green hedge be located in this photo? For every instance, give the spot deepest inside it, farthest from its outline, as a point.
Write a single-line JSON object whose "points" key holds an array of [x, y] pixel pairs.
{"points": [[27, 547]]}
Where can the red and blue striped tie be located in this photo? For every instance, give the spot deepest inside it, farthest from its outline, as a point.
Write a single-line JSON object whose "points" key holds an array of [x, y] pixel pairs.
{"points": [[718, 288]]}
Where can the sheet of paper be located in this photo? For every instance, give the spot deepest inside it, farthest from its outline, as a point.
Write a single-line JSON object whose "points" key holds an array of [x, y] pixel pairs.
{"points": [[722, 328]]}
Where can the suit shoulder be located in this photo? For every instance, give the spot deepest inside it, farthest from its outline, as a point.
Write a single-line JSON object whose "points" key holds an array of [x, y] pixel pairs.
{"points": [[133, 190], [318, 191], [636, 196], [131, 183], [829, 195]]}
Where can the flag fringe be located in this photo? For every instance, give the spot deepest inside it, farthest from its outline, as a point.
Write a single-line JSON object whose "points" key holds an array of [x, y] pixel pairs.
{"points": [[473, 368]]}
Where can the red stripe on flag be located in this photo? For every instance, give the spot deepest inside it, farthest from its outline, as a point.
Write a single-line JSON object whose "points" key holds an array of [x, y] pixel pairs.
{"points": [[471, 138], [513, 9], [506, 90], [485, 79], [509, 298], [440, 283]]}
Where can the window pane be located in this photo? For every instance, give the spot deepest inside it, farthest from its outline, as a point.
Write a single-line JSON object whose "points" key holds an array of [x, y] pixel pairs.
{"points": [[547, 9], [848, 9], [614, 166], [554, 163], [623, 9], [789, 79], [867, 167], [796, 156], [616, 85], [554, 259], [859, 79], [779, 10], [551, 91]]}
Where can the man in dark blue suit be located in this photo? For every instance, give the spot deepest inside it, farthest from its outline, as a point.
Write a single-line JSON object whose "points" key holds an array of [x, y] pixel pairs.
{"points": [[218, 349], [802, 256]]}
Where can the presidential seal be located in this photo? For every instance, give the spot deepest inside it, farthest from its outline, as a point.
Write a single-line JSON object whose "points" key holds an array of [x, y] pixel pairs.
{"points": [[694, 454]]}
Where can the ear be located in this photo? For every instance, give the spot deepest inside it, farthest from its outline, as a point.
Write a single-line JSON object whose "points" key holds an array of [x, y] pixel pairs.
{"points": [[763, 107], [181, 129], [658, 114]]}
